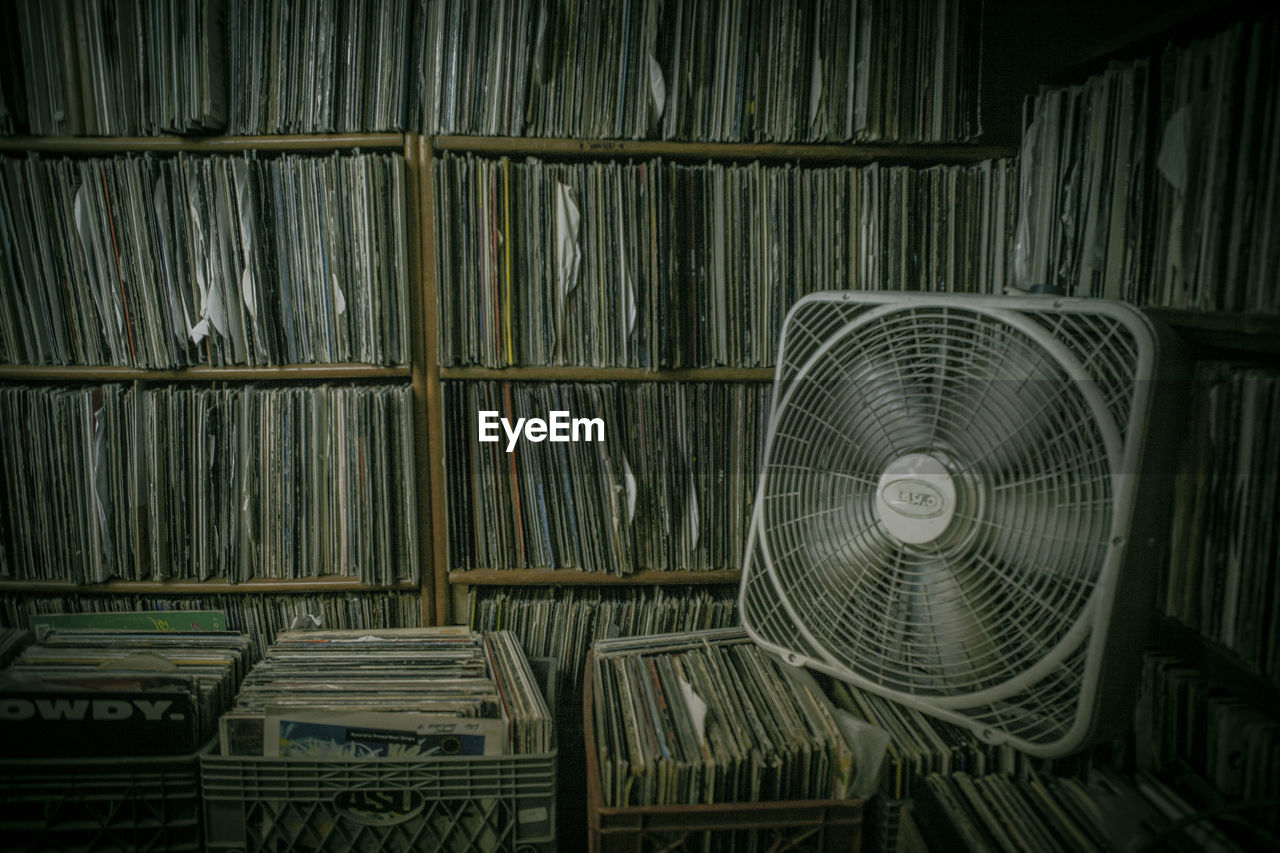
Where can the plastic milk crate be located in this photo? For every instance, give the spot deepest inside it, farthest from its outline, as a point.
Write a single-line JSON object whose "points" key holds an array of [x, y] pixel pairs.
{"points": [[92, 804], [451, 804]]}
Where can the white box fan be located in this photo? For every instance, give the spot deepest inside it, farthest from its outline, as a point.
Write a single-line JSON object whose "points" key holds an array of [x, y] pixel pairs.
{"points": [[949, 512]]}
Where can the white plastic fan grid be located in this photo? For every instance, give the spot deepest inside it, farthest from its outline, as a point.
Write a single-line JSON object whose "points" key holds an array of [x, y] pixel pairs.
{"points": [[937, 505]]}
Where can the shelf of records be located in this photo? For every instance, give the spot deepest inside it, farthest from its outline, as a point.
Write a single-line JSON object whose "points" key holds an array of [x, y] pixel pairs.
{"points": [[1105, 811], [165, 262], [117, 482], [261, 616], [656, 264], [1205, 778], [572, 577], [1181, 215], [1216, 741], [828, 71], [662, 478], [810, 153], [563, 623], [199, 374], [1224, 573]]}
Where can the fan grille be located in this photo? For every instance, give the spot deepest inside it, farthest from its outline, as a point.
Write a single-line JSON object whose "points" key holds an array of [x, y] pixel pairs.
{"points": [[1028, 450]]}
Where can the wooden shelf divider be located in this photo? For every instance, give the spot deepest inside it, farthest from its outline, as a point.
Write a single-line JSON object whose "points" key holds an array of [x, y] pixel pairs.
{"points": [[596, 149], [1257, 333], [1215, 660], [609, 374], [200, 144], [573, 577], [328, 583], [201, 373]]}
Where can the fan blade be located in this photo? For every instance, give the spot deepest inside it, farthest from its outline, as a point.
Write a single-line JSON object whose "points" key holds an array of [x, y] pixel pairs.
{"points": [[939, 626], [1048, 534]]}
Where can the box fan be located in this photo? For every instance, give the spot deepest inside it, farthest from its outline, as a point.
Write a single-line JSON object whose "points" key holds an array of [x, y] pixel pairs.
{"points": [[951, 511]]}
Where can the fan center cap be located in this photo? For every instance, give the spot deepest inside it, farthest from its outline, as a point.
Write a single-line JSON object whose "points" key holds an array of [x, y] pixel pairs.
{"points": [[916, 498]]}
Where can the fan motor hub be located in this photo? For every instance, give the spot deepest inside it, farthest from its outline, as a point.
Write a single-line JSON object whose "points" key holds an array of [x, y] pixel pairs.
{"points": [[916, 498]]}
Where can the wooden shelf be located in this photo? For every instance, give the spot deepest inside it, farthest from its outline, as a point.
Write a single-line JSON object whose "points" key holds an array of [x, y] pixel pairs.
{"points": [[1249, 332], [328, 583], [922, 154], [1220, 664], [610, 374], [573, 577], [202, 373], [201, 144]]}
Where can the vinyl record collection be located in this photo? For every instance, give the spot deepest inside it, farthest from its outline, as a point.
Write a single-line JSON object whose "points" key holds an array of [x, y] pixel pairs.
{"points": [[1083, 186], [818, 70], [662, 264], [412, 693], [122, 67], [564, 622], [85, 693], [1224, 573], [1183, 219], [666, 481], [326, 66], [1105, 813], [228, 482], [259, 616], [1185, 720], [155, 261], [920, 745], [1217, 173], [814, 70], [711, 718]]}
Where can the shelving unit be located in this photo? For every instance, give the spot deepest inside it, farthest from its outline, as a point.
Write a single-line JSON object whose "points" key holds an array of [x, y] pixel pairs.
{"points": [[927, 154], [326, 583], [571, 577], [598, 150], [202, 373], [203, 144], [407, 145], [1252, 334]]}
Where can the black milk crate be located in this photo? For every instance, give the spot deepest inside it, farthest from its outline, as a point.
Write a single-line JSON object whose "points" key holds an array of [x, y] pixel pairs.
{"points": [[487, 804], [93, 804]]}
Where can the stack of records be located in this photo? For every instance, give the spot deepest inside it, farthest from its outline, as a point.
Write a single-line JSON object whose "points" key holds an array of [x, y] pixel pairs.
{"points": [[660, 264], [662, 477], [709, 717], [92, 693], [564, 622], [1216, 179], [1084, 152], [1224, 555], [1106, 813], [920, 745], [232, 482], [156, 261], [1228, 739], [410, 693], [123, 67], [322, 67]]}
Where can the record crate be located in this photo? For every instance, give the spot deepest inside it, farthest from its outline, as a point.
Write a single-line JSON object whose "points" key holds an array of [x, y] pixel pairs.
{"points": [[450, 804], [801, 826], [92, 804]]}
